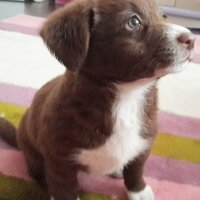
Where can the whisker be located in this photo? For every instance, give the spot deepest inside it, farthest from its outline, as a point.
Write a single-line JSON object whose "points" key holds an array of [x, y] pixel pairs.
{"points": [[156, 68]]}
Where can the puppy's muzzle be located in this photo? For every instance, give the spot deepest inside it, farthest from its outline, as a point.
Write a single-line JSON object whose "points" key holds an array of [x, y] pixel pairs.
{"points": [[187, 40]]}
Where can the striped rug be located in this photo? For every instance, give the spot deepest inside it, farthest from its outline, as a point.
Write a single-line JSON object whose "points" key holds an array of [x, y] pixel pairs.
{"points": [[173, 169]]}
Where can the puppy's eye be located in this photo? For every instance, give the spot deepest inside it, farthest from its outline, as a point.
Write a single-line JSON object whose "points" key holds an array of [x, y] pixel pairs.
{"points": [[134, 22]]}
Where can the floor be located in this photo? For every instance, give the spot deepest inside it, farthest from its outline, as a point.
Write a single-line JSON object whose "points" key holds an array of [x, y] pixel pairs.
{"points": [[42, 9]]}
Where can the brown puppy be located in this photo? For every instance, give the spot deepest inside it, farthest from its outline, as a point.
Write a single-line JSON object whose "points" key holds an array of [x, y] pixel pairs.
{"points": [[100, 116]]}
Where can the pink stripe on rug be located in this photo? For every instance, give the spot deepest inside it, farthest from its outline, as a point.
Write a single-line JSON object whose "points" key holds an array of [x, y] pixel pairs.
{"points": [[166, 169], [164, 190], [156, 167], [179, 125], [13, 164], [197, 50], [16, 95], [23, 23]]}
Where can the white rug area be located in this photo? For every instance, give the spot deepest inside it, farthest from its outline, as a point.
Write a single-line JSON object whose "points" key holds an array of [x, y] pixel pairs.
{"points": [[25, 61], [180, 93]]}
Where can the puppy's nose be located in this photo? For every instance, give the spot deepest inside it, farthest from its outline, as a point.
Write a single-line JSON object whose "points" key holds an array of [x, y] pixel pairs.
{"points": [[187, 40]]}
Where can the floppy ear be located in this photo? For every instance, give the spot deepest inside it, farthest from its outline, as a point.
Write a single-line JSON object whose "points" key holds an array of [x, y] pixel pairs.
{"points": [[67, 33]]}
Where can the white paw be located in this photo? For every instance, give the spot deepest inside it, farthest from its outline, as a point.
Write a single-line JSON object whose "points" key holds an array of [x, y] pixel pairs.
{"points": [[145, 194], [117, 174]]}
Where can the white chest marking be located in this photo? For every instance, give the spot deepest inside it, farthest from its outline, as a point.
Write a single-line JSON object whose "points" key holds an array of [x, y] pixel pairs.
{"points": [[125, 142]]}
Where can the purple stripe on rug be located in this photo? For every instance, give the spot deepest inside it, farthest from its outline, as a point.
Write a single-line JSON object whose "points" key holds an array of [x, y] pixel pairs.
{"points": [[162, 168], [16, 95], [102, 185], [30, 25], [18, 28], [168, 123], [179, 125], [23, 23], [164, 190]]}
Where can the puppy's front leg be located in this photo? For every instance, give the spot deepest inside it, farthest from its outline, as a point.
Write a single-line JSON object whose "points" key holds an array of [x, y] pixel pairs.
{"points": [[62, 181], [134, 181]]}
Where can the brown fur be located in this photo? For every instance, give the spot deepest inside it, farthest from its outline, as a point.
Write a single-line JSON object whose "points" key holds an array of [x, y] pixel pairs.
{"points": [[74, 111], [8, 132]]}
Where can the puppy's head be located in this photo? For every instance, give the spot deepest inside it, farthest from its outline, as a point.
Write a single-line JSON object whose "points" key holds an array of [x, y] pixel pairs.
{"points": [[120, 40]]}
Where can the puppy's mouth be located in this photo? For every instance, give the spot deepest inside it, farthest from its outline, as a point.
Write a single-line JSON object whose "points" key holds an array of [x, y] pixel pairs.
{"points": [[181, 63], [175, 65], [188, 58]]}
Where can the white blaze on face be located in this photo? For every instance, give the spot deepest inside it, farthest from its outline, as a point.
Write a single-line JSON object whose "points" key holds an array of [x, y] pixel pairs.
{"points": [[175, 30]]}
